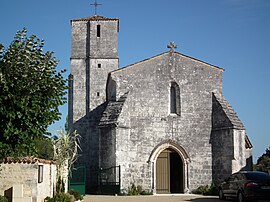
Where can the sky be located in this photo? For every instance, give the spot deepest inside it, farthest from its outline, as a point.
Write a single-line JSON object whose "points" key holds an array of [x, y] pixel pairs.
{"points": [[231, 34]]}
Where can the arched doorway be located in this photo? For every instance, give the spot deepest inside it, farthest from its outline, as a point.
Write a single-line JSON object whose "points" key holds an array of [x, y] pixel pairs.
{"points": [[175, 160], [169, 172]]}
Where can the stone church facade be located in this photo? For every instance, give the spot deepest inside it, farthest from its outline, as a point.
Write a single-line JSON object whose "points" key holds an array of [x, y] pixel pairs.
{"points": [[163, 120]]}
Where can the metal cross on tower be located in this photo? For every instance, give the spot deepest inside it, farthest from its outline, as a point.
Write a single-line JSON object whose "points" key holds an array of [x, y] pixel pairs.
{"points": [[172, 46], [95, 4]]}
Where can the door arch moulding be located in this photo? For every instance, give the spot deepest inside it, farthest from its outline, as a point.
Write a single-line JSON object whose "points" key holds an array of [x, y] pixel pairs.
{"points": [[181, 152]]}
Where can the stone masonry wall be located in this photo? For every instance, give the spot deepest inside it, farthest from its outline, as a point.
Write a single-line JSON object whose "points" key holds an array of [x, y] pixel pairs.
{"points": [[239, 150], [149, 121], [223, 151], [48, 186], [27, 174], [17, 173]]}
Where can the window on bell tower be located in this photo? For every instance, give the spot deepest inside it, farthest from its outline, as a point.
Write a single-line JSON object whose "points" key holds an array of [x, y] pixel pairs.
{"points": [[98, 30]]}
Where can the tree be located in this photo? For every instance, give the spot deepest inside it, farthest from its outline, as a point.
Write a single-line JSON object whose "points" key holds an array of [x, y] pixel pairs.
{"points": [[263, 162], [31, 92], [44, 147]]}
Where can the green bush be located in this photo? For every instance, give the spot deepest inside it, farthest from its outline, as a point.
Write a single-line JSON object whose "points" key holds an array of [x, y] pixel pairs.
{"points": [[76, 194], [61, 197], [206, 190], [144, 192], [132, 190], [137, 190], [3, 199]]}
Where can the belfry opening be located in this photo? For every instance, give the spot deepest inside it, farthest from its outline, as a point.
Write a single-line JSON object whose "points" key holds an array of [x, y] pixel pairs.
{"points": [[169, 172]]}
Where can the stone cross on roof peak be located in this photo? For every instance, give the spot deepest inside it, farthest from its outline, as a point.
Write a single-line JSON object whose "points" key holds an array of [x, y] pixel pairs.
{"points": [[95, 4], [172, 46]]}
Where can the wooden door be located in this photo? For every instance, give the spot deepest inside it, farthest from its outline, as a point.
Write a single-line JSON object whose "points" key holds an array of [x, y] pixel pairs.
{"points": [[163, 173]]}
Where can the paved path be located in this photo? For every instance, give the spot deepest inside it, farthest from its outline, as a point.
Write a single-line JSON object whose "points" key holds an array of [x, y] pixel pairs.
{"points": [[154, 198]]}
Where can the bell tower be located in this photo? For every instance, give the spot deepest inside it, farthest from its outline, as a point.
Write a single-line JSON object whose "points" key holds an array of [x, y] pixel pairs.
{"points": [[94, 54]]}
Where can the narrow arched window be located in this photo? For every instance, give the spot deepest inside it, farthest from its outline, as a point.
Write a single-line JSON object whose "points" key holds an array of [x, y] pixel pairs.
{"points": [[175, 102]]}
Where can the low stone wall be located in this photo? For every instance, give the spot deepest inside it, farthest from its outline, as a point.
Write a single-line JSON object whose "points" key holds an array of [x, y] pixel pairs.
{"points": [[37, 176]]}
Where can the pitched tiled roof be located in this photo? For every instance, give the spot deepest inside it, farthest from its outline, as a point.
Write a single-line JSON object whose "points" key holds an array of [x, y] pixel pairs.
{"points": [[112, 112], [248, 143], [95, 18], [27, 160], [224, 115]]}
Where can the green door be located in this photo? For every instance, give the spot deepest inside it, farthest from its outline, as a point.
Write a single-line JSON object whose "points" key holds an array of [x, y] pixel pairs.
{"points": [[77, 179]]}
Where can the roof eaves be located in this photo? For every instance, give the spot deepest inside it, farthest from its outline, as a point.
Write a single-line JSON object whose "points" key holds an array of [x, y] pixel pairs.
{"points": [[229, 112], [197, 60], [130, 65], [95, 18], [27, 160], [248, 143]]}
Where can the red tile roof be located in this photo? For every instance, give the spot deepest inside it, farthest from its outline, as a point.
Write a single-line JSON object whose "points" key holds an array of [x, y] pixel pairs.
{"points": [[95, 18], [27, 159]]}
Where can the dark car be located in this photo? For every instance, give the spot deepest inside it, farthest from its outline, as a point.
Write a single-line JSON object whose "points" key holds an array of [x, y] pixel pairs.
{"points": [[246, 185]]}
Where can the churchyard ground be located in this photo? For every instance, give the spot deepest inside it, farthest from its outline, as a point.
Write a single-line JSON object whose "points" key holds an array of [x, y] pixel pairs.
{"points": [[155, 198]]}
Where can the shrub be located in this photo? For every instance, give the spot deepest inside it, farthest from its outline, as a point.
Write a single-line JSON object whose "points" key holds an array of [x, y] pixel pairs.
{"points": [[137, 190], [144, 192], [206, 190], [61, 197], [3, 199], [133, 190], [76, 194]]}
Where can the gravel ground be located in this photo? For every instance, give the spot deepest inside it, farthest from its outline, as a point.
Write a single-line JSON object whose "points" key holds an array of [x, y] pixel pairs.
{"points": [[154, 198]]}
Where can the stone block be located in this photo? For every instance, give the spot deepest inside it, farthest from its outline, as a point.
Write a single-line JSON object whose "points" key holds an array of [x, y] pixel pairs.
{"points": [[22, 199], [17, 191]]}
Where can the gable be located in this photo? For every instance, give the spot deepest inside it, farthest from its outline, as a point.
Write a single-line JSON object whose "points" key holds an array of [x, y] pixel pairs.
{"points": [[166, 55], [153, 76]]}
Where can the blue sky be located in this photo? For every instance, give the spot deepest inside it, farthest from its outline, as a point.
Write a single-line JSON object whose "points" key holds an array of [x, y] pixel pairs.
{"points": [[232, 34]]}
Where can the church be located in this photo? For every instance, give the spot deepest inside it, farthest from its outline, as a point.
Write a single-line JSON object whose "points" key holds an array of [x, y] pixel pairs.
{"points": [[161, 123]]}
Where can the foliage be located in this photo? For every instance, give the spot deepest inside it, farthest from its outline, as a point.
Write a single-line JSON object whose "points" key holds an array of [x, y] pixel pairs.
{"points": [[60, 186], [76, 194], [31, 92], [61, 197], [44, 147], [134, 190], [3, 199], [206, 190], [137, 190], [263, 162], [65, 153]]}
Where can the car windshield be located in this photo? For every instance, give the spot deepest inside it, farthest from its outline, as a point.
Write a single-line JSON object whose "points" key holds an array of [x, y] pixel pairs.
{"points": [[257, 176]]}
